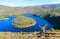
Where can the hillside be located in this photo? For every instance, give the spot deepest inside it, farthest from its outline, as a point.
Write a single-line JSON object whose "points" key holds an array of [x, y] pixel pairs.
{"points": [[50, 12], [44, 9], [40, 9], [5, 10]]}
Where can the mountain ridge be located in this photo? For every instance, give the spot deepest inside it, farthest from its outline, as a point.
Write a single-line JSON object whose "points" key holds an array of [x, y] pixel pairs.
{"points": [[6, 10]]}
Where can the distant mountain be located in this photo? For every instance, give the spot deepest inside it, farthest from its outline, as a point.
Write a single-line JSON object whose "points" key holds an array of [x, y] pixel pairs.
{"points": [[51, 6], [5, 10], [44, 9], [37, 10], [48, 6]]}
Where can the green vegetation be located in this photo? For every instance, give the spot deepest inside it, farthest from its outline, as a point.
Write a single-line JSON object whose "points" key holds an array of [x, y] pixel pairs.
{"points": [[23, 22], [54, 30], [52, 16], [2, 18]]}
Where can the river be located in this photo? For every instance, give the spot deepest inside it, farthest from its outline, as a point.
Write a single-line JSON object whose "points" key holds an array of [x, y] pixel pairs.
{"points": [[6, 25]]}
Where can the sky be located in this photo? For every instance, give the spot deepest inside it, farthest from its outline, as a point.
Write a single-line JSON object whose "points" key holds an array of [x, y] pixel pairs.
{"points": [[23, 3]]}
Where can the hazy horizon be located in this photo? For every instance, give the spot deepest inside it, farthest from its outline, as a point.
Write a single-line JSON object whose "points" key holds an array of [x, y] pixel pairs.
{"points": [[24, 3]]}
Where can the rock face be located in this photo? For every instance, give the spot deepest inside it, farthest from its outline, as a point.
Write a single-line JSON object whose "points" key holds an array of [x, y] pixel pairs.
{"points": [[23, 22]]}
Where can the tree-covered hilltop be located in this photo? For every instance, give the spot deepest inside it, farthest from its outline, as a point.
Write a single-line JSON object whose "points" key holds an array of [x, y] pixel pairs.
{"points": [[23, 22]]}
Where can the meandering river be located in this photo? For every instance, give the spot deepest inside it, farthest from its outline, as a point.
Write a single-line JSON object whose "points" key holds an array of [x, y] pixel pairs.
{"points": [[6, 25]]}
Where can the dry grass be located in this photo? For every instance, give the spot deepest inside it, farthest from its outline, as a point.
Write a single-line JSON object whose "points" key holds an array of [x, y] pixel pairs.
{"points": [[19, 35]]}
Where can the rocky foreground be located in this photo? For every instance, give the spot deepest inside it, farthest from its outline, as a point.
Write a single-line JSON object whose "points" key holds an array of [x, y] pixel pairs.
{"points": [[30, 35]]}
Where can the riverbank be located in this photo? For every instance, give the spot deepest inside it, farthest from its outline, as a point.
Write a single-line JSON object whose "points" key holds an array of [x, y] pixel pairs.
{"points": [[3, 18]]}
